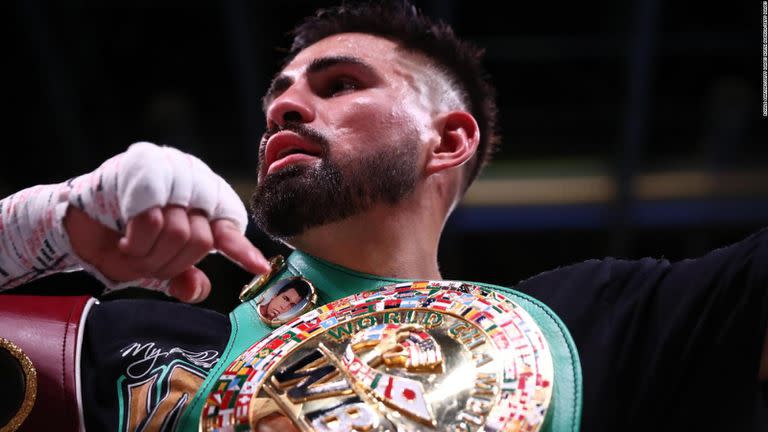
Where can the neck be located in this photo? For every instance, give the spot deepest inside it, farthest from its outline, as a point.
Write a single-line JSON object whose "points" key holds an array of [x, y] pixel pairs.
{"points": [[384, 241]]}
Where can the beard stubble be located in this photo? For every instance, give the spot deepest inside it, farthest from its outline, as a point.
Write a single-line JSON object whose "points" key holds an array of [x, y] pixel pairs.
{"points": [[299, 197]]}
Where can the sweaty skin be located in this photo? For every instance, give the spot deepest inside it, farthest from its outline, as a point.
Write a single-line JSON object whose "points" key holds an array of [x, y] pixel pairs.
{"points": [[365, 95]]}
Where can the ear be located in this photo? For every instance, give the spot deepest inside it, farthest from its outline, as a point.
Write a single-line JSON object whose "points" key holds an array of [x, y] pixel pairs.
{"points": [[459, 136]]}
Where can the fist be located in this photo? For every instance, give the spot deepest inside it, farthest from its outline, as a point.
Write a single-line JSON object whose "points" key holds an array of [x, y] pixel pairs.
{"points": [[146, 216]]}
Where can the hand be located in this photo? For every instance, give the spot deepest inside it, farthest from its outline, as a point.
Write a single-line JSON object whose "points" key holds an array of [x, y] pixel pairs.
{"points": [[161, 243], [148, 215]]}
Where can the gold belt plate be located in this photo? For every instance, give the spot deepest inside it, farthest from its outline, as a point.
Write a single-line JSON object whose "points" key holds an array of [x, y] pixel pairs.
{"points": [[416, 356]]}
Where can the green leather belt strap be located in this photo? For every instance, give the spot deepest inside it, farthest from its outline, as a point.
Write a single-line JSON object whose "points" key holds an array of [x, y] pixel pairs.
{"points": [[334, 282]]}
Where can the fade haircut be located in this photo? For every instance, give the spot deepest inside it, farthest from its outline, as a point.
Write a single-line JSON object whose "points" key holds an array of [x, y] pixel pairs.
{"points": [[402, 23]]}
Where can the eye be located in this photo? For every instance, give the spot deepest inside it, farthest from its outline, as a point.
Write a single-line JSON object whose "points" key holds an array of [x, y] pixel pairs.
{"points": [[340, 85]]}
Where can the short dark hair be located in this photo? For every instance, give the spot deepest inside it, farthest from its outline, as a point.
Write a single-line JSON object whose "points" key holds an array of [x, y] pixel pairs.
{"points": [[301, 287], [401, 22]]}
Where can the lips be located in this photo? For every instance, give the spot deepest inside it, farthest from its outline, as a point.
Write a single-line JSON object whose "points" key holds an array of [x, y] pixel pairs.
{"points": [[286, 148]]}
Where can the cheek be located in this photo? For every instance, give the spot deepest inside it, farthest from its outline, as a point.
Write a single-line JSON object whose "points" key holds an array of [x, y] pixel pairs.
{"points": [[375, 122], [360, 115]]}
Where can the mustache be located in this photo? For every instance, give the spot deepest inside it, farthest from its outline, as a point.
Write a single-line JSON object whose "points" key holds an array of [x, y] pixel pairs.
{"points": [[299, 129]]}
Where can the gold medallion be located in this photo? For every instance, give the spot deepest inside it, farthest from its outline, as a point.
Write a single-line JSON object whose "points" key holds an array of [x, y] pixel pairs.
{"points": [[421, 356]]}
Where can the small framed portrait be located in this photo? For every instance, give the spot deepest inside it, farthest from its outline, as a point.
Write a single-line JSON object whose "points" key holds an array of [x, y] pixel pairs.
{"points": [[285, 300]]}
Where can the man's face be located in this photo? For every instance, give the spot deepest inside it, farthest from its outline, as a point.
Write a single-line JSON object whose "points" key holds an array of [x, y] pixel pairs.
{"points": [[282, 303], [346, 120]]}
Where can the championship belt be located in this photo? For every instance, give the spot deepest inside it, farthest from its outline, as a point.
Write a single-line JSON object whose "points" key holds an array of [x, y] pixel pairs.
{"points": [[416, 356]]}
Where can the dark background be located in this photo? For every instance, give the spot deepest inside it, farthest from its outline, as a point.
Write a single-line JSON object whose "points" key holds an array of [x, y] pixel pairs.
{"points": [[656, 102]]}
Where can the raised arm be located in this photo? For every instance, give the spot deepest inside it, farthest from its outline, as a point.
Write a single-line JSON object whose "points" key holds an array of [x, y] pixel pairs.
{"points": [[143, 218]]}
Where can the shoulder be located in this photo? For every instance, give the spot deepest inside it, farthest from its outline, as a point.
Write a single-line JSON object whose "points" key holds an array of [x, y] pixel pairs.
{"points": [[608, 278], [594, 277]]}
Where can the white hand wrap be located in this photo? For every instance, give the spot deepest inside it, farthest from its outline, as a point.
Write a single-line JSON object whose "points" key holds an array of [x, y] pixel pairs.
{"points": [[32, 241], [143, 177]]}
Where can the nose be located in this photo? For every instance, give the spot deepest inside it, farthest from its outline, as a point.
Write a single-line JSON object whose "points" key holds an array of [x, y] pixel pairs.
{"points": [[293, 105]]}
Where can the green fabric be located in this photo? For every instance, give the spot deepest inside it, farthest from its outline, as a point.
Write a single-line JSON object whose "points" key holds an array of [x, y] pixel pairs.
{"points": [[334, 282]]}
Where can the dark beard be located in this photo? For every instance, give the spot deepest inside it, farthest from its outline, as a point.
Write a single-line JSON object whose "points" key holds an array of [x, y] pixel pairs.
{"points": [[299, 197]]}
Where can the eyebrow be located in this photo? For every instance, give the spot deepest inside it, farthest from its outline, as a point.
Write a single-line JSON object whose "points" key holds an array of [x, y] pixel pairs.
{"points": [[282, 82]]}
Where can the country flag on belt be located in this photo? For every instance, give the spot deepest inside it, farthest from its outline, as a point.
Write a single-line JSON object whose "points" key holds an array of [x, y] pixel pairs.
{"points": [[215, 399], [422, 350], [234, 366], [363, 309], [226, 398], [403, 394], [441, 303], [235, 384], [308, 327], [330, 322], [410, 302], [393, 303], [405, 293], [227, 415], [242, 411]]}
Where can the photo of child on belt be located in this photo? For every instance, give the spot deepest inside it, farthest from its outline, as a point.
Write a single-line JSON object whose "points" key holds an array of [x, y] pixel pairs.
{"points": [[376, 125]]}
